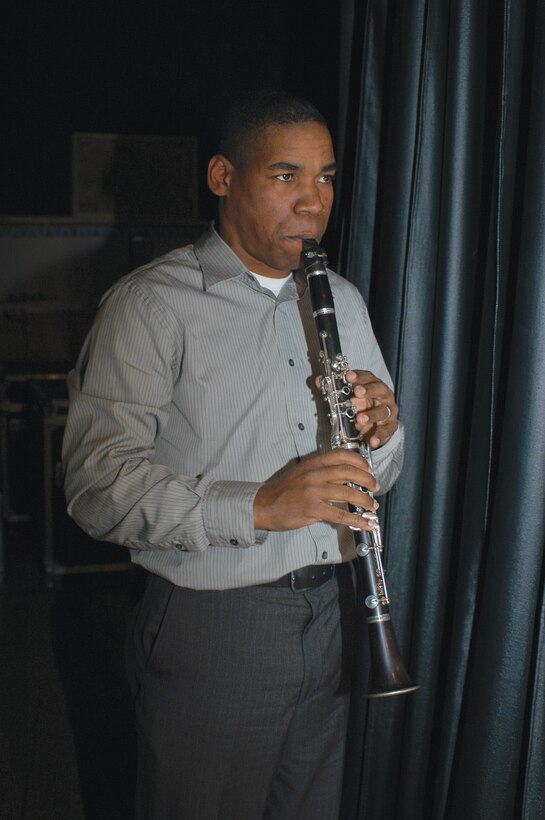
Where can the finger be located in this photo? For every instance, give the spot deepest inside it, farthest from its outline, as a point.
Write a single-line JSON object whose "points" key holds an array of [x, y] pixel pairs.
{"points": [[339, 515], [339, 457], [366, 384], [376, 441], [379, 420], [361, 478], [373, 417], [386, 413], [361, 403], [362, 377], [380, 435], [327, 475], [356, 497]]}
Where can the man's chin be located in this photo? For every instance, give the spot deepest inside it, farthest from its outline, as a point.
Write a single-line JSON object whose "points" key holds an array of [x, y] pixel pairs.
{"points": [[294, 248]]}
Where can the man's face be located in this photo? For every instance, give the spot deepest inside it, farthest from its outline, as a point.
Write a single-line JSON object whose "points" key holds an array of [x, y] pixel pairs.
{"points": [[283, 194]]}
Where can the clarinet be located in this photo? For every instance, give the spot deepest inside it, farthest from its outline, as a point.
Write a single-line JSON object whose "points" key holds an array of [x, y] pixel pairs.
{"points": [[387, 675]]}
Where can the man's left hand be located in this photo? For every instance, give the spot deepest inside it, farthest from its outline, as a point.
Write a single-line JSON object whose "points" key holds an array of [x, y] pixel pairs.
{"points": [[376, 407]]}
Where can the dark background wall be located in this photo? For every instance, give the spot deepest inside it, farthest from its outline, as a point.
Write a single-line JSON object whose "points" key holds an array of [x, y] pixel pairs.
{"points": [[154, 69], [141, 68], [164, 68]]}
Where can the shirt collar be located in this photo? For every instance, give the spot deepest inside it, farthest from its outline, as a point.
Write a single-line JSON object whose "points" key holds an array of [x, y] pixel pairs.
{"points": [[217, 260], [219, 263]]}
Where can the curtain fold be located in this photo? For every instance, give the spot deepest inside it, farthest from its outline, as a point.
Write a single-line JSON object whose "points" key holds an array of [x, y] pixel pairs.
{"points": [[441, 209]]}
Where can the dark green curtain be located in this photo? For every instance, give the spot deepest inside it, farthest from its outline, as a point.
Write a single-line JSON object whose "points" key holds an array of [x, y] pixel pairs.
{"points": [[441, 220]]}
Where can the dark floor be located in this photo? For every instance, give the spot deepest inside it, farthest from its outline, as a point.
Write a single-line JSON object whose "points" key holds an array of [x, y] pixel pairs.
{"points": [[66, 736]]}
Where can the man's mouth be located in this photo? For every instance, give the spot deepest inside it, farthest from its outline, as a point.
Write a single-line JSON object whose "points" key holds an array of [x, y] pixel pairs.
{"points": [[300, 236]]}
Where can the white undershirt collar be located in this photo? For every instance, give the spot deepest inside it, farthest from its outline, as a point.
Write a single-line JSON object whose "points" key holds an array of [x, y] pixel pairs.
{"points": [[273, 283]]}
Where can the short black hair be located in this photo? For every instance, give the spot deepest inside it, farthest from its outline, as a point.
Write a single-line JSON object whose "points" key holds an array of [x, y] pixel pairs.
{"points": [[249, 115]]}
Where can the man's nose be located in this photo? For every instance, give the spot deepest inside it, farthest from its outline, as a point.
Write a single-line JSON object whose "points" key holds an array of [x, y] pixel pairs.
{"points": [[309, 200]]}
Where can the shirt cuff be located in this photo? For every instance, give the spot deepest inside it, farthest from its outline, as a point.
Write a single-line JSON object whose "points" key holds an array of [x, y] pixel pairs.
{"points": [[228, 514], [388, 460]]}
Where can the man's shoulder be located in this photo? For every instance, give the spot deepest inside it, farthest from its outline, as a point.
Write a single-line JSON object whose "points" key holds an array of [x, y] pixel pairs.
{"points": [[178, 266], [341, 287], [170, 273], [192, 266], [163, 284]]}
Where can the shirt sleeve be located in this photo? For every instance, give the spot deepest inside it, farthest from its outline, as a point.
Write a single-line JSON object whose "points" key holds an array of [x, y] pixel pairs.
{"points": [[388, 460], [120, 395]]}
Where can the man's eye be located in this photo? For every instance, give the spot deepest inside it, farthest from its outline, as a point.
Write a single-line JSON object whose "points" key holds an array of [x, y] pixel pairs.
{"points": [[327, 178], [285, 177]]}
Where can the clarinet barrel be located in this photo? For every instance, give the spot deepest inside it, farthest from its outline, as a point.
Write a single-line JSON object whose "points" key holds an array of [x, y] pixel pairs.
{"points": [[388, 675]]}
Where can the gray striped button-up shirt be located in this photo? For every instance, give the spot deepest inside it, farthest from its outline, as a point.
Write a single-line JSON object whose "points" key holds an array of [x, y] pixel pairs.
{"points": [[194, 386]]}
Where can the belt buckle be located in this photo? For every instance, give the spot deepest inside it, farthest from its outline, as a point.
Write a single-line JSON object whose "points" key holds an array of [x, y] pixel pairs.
{"points": [[323, 574], [294, 581]]}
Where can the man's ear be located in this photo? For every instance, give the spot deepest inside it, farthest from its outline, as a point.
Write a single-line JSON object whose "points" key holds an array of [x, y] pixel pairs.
{"points": [[220, 171]]}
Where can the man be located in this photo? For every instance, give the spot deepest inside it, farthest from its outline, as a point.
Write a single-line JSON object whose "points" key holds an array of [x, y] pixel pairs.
{"points": [[196, 437]]}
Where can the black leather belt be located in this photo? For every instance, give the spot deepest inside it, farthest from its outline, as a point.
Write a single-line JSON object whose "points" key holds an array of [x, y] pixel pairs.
{"points": [[305, 578]]}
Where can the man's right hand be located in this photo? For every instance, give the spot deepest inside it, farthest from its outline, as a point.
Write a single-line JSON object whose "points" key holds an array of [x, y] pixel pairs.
{"points": [[310, 491]]}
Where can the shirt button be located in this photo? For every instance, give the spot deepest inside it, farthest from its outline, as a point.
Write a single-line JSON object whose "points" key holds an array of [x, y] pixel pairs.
{"points": [[301, 426], [291, 363], [234, 542], [324, 555]]}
